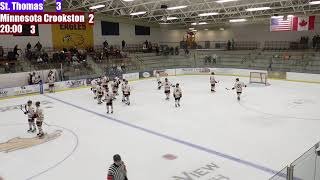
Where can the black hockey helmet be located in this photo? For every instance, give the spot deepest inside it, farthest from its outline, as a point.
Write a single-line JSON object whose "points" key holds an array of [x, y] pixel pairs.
{"points": [[166, 79], [29, 102], [237, 79], [177, 84], [212, 73], [38, 103], [116, 158]]}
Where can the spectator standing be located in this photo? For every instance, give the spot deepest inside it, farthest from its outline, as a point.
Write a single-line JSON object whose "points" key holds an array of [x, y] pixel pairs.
{"points": [[123, 43], [232, 44], [28, 47], [33, 78], [229, 44], [117, 170], [38, 46], [39, 59], [15, 51], [105, 44], [7, 68], [30, 79]]}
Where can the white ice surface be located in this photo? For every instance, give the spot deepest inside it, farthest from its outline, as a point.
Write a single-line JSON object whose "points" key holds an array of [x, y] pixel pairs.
{"points": [[270, 127]]}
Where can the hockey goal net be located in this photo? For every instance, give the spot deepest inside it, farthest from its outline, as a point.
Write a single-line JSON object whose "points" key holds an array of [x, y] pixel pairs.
{"points": [[258, 77]]}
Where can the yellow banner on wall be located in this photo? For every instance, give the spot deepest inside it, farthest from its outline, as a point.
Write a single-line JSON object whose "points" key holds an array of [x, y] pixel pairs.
{"points": [[72, 35]]}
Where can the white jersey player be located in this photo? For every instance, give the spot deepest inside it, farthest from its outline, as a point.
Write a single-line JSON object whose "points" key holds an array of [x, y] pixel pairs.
{"points": [[30, 111], [51, 80], [114, 87], [167, 86], [108, 98], [213, 82], [39, 115], [238, 86], [94, 84], [99, 93], [104, 82], [122, 89], [158, 80], [177, 94], [126, 92]]}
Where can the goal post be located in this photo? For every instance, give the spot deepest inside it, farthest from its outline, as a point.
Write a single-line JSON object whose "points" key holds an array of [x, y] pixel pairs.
{"points": [[258, 77]]}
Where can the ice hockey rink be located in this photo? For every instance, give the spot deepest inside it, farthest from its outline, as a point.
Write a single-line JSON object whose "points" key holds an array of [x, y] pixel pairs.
{"points": [[211, 136]]}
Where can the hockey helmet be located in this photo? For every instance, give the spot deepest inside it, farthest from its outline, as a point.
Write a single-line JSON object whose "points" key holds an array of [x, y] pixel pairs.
{"points": [[37, 103], [116, 158]]}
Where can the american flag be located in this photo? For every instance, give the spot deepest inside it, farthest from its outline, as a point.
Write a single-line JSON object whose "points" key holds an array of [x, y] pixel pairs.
{"points": [[279, 24]]}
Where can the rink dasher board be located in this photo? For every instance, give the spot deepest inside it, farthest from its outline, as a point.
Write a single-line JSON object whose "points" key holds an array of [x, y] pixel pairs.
{"points": [[75, 84], [35, 89]]}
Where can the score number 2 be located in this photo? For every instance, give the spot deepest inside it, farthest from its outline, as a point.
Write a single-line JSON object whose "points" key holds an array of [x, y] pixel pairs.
{"points": [[91, 18]]}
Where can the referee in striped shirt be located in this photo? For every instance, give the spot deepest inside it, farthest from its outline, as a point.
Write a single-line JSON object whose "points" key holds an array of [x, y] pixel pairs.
{"points": [[117, 170]]}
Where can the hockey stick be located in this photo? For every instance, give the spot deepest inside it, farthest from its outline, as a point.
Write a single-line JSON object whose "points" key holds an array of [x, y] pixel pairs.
{"points": [[22, 108], [228, 89]]}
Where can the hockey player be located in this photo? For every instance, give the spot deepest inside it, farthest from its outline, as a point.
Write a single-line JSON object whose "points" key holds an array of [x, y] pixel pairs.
{"points": [[177, 94], [114, 88], [167, 85], [39, 115], [104, 82], [158, 80], [94, 84], [108, 99], [99, 93], [122, 89], [117, 83], [126, 93], [30, 111], [51, 80], [238, 86], [213, 82]]}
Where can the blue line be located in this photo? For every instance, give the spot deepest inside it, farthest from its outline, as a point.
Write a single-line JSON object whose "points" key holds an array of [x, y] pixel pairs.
{"points": [[226, 156]]}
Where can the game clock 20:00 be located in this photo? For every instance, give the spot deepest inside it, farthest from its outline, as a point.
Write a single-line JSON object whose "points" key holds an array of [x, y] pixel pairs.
{"points": [[15, 29]]}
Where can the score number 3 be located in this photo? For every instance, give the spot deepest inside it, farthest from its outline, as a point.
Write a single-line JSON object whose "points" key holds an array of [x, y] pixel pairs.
{"points": [[58, 5], [32, 29]]}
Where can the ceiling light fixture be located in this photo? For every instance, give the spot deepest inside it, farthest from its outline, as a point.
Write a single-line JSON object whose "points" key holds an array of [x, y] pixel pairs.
{"points": [[191, 28], [224, 1], [258, 9], [164, 23], [237, 20], [176, 7], [314, 2], [138, 13], [202, 23], [208, 14], [128, 0], [97, 6], [221, 29], [206, 29], [171, 18]]}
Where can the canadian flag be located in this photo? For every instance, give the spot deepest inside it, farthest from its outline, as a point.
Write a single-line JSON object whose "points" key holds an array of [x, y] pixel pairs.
{"points": [[303, 23]]}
